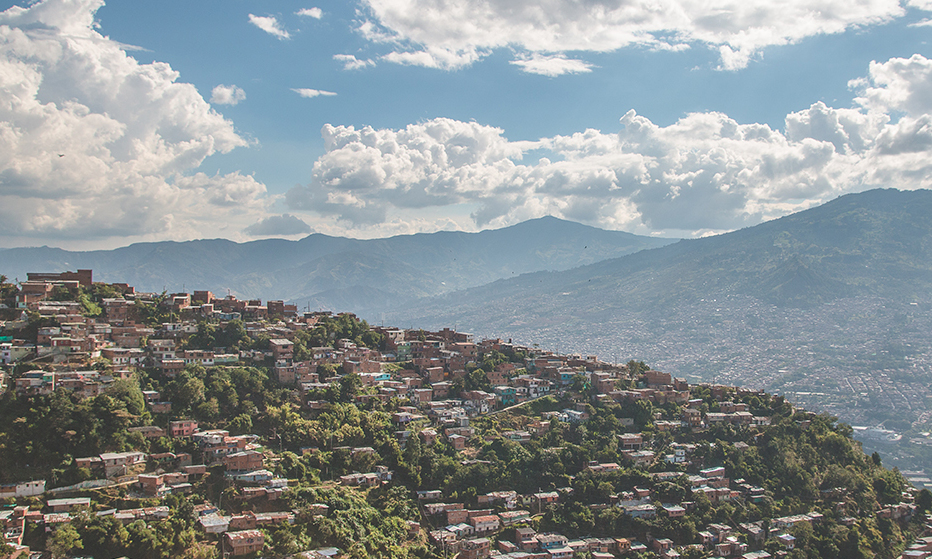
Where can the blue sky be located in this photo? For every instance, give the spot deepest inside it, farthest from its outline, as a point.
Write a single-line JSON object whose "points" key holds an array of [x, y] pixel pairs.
{"points": [[176, 119]]}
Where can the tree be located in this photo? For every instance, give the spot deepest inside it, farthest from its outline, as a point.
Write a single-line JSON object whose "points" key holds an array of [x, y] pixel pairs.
{"points": [[128, 392], [189, 392], [477, 380], [349, 387], [7, 290], [643, 413], [233, 335], [292, 467], [63, 541], [924, 500], [144, 541], [637, 367], [580, 384]]}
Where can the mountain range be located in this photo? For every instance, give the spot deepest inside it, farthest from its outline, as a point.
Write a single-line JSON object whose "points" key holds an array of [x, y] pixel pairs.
{"points": [[336, 273], [877, 243]]}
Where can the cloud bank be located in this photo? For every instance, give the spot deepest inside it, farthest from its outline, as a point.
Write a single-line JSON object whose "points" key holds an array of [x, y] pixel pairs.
{"points": [[95, 145], [449, 34], [704, 173]]}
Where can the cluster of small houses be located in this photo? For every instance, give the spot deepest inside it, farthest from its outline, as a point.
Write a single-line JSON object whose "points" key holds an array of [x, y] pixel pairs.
{"points": [[437, 359], [466, 531], [243, 464]]}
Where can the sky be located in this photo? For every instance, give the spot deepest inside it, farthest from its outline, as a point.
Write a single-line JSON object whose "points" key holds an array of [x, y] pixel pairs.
{"points": [[246, 119]]}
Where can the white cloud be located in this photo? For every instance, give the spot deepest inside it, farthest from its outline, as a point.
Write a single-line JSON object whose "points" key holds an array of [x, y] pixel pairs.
{"points": [[552, 66], [95, 144], [703, 173], [350, 62], [270, 25], [440, 58], [738, 29], [899, 84], [315, 13], [285, 225], [311, 93], [227, 95]]}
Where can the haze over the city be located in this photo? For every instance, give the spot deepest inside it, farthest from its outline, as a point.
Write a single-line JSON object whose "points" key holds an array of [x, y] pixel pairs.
{"points": [[129, 121]]}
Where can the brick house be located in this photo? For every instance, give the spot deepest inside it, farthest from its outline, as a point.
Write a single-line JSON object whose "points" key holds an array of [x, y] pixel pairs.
{"points": [[182, 428], [246, 460], [243, 542], [475, 549]]}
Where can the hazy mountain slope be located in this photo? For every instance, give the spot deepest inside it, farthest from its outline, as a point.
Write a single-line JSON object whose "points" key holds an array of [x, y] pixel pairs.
{"points": [[340, 273], [876, 243]]}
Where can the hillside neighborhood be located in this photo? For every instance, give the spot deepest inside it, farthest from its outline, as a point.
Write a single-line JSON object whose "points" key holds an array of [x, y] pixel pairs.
{"points": [[672, 470]]}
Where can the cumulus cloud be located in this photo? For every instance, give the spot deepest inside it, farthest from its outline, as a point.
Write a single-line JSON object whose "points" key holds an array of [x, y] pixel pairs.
{"points": [[94, 144], [704, 173], [899, 84], [432, 31], [285, 225], [270, 25], [315, 13], [552, 66], [350, 62], [227, 95], [311, 93]]}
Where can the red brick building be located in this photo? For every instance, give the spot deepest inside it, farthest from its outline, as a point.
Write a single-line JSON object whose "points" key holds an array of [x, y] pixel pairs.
{"points": [[84, 277], [246, 460], [182, 428], [243, 542]]}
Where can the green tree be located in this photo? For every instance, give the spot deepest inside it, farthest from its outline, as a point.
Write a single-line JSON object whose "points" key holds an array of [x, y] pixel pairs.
{"points": [[128, 392], [64, 541], [637, 367], [924, 500], [349, 387], [477, 380], [580, 383]]}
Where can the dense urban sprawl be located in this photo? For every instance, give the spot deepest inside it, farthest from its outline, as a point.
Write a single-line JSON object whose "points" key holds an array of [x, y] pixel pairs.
{"points": [[191, 425]]}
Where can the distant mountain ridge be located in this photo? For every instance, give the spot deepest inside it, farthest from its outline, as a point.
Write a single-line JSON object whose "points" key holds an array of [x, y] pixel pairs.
{"points": [[876, 243], [339, 273]]}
